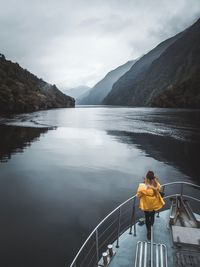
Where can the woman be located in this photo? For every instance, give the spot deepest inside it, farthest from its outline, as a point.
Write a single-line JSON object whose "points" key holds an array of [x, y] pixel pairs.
{"points": [[150, 199]]}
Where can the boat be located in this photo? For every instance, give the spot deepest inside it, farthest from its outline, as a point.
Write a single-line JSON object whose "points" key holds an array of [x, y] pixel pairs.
{"points": [[119, 240]]}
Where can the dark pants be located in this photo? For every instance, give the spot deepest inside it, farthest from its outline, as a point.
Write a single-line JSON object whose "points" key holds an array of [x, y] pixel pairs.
{"points": [[149, 218]]}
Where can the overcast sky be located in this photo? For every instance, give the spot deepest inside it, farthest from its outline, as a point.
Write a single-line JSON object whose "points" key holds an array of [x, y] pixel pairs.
{"points": [[76, 42]]}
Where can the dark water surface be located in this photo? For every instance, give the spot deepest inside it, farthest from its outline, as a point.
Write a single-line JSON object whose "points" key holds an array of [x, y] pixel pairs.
{"points": [[63, 170]]}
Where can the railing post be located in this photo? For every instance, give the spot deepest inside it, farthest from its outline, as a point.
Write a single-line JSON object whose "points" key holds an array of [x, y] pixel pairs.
{"points": [[97, 246], [163, 190], [182, 189], [151, 246], [118, 229], [133, 219]]}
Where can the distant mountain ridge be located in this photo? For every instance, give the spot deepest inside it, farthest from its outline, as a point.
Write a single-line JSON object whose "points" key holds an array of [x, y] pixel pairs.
{"points": [[78, 91], [21, 91], [103, 87], [170, 78]]}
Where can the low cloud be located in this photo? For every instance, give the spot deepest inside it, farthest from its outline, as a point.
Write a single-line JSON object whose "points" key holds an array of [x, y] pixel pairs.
{"points": [[77, 42]]}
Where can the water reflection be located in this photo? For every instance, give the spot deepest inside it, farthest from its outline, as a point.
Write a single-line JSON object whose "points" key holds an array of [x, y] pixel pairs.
{"points": [[183, 155], [14, 139], [55, 192], [177, 123]]}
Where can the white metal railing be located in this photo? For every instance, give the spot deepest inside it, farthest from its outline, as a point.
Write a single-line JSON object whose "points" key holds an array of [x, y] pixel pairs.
{"points": [[116, 222]]}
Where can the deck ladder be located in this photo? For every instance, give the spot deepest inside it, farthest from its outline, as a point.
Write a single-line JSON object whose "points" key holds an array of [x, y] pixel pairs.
{"points": [[150, 254]]}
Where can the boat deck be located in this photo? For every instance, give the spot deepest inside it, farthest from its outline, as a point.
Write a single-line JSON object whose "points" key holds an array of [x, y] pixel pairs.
{"points": [[174, 245], [125, 254]]}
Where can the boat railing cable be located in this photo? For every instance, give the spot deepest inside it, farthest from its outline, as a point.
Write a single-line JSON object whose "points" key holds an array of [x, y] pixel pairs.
{"points": [[151, 246], [114, 221], [98, 226]]}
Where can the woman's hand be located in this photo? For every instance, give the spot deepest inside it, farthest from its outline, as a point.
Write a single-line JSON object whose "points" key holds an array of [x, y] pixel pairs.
{"points": [[155, 189]]}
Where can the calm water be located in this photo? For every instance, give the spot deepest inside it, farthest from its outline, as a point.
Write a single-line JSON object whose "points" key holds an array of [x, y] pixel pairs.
{"points": [[63, 170]]}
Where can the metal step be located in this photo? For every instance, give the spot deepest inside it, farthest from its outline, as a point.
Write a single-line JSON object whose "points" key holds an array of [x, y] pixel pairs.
{"points": [[143, 255]]}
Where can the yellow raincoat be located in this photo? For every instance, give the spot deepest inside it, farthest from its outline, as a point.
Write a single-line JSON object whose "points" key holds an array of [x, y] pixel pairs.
{"points": [[149, 199]]}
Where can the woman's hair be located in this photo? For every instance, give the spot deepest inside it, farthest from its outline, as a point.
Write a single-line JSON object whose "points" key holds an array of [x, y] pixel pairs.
{"points": [[151, 177]]}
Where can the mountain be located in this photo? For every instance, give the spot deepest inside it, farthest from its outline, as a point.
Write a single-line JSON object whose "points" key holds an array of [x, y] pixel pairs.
{"points": [[21, 91], [83, 96], [103, 87], [182, 83], [184, 94], [124, 90], [78, 91]]}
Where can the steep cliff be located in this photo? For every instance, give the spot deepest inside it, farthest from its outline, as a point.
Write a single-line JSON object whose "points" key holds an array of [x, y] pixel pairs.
{"points": [[150, 75], [103, 87], [21, 91]]}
